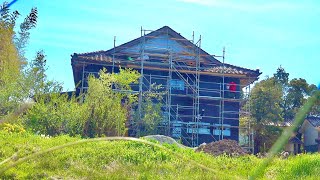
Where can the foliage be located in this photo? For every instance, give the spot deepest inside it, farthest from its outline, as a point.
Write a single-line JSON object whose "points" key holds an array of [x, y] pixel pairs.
{"points": [[298, 91], [265, 102], [294, 92], [274, 100], [133, 160], [281, 76], [35, 82], [12, 128], [9, 65], [113, 160], [283, 139], [55, 114], [109, 103], [11, 61], [21, 40], [52, 113], [151, 113]]}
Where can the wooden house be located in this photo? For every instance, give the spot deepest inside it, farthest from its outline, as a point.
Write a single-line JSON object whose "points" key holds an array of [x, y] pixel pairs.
{"points": [[310, 131], [202, 93]]}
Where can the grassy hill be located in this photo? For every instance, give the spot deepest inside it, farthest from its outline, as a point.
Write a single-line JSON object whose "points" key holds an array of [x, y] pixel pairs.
{"points": [[135, 160]]}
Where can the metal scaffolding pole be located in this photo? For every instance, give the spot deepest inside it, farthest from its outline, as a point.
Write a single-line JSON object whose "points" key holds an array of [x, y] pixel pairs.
{"points": [[169, 88], [114, 51], [169, 93], [223, 94], [198, 91], [141, 74]]}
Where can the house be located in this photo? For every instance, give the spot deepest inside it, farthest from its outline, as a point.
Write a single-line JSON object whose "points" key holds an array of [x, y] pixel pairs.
{"points": [[199, 105], [310, 130], [294, 145]]}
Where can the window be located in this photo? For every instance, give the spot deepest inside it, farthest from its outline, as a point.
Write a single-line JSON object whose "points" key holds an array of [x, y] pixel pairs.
{"points": [[176, 129], [203, 128], [226, 131], [176, 84]]}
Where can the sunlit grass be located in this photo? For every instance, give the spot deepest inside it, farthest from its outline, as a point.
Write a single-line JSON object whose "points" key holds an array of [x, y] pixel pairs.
{"points": [[26, 156]]}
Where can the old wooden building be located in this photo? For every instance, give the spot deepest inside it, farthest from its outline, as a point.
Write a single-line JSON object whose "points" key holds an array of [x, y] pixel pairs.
{"points": [[202, 93], [310, 131]]}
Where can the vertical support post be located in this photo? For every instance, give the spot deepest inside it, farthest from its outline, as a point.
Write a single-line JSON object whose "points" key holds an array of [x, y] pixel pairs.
{"points": [[169, 86], [82, 83], [169, 94], [251, 140], [198, 91], [141, 77], [114, 51], [223, 93], [192, 36], [177, 112], [220, 110], [150, 82]]}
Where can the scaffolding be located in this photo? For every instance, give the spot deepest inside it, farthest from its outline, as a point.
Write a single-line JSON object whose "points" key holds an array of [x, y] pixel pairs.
{"points": [[186, 67]]}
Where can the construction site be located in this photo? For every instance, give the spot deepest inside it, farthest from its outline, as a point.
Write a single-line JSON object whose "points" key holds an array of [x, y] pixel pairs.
{"points": [[202, 95]]}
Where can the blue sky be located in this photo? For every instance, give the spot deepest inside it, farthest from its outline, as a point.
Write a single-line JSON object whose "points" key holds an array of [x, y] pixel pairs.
{"points": [[256, 34]]}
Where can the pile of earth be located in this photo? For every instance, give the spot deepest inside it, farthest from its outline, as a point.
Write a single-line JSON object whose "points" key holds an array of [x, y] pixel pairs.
{"points": [[164, 140], [225, 146]]}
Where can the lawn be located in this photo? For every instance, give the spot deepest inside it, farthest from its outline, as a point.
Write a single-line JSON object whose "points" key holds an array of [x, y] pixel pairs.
{"points": [[136, 160]]}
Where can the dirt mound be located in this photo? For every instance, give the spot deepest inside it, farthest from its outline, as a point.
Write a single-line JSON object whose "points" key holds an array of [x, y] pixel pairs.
{"points": [[225, 146]]}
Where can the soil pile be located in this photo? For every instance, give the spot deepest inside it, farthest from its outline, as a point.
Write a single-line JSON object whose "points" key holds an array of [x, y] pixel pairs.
{"points": [[225, 146]]}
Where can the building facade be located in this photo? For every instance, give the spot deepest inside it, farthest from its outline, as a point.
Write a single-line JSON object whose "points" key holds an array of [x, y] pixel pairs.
{"points": [[202, 95], [310, 134]]}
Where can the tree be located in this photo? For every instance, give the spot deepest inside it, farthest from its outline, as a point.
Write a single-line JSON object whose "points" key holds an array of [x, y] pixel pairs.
{"points": [[108, 102], [35, 82], [53, 112], [281, 76], [274, 100], [266, 97], [151, 116], [11, 61]]}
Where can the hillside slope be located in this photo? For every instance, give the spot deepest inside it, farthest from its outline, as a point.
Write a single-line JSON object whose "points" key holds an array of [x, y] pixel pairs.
{"points": [[135, 160]]}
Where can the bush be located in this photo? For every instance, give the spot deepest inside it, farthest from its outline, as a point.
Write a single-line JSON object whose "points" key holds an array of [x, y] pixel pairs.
{"points": [[55, 114]]}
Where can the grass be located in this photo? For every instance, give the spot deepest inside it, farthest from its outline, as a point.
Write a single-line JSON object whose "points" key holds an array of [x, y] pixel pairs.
{"points": [[26, 156], [135, 160]]}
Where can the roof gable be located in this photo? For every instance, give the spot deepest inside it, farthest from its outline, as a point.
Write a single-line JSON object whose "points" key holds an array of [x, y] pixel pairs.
{"points": [[314, 120], [155, 47], [157, 42]]}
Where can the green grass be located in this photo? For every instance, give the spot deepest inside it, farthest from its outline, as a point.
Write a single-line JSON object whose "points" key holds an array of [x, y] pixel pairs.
{"points": [[135, 160]]}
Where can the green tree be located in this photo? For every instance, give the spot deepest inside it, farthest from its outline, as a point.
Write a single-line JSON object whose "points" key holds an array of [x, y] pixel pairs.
{"points": [[298, 92], [109, 102], [294, 92], [148, 122], [274, 100], [11, 61], [52, 113], [281, 76], [35, 81], [266, 97]]}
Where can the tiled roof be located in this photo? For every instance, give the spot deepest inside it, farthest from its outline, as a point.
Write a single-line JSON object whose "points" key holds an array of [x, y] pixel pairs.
{"points": [[213, 66], [230, 69], [295, 140], [314, 120], [157, 32]]}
